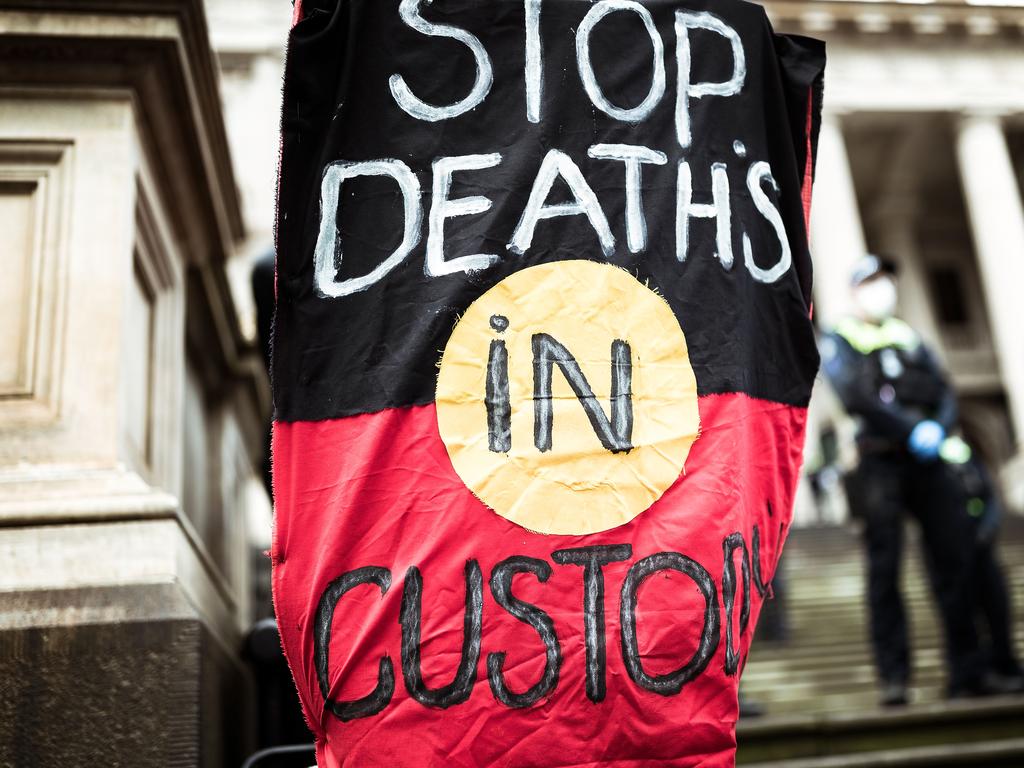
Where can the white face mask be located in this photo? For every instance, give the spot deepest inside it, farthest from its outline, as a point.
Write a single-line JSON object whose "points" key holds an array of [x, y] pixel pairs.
{"points": [[877, 298]]}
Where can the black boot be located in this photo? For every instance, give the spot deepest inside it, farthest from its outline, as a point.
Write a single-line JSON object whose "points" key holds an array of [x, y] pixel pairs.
{"points": [[894, 694]]}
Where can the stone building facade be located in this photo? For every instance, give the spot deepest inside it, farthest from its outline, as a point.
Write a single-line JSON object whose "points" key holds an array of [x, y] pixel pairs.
{"points": [[132, 405]]}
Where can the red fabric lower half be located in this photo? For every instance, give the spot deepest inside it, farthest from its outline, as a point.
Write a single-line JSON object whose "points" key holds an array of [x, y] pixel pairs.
{"points": [[379, 490]]}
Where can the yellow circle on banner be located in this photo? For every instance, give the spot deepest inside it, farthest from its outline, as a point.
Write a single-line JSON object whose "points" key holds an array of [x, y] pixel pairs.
{"points": [[566, 398]]}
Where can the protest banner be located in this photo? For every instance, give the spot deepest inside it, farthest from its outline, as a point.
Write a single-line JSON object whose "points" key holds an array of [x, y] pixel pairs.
{"points": [[542, 357]]}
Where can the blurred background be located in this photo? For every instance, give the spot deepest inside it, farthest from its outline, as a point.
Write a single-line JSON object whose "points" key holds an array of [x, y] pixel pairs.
{"points": [[138, 147]]}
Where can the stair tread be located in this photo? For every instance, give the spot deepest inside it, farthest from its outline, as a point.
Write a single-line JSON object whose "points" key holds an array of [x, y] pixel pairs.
{"points": [[821, 683], [943, 754]]}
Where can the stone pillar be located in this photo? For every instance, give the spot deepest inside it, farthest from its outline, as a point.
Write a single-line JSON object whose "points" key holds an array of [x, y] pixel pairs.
{"points": [[837, 238], [131, 413], [996, 213], [837, 241]]}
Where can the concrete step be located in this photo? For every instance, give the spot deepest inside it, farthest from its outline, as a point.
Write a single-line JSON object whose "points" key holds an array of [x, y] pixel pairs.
{"points": [[846, 650], [873, 735], [1008, 752]]}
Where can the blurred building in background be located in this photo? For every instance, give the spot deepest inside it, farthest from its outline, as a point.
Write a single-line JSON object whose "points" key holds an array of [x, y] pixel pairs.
{"points": [[921, 159], [138, 154]]}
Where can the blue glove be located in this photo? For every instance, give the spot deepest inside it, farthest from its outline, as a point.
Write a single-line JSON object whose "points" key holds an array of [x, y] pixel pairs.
{"points": [[926, 439]]}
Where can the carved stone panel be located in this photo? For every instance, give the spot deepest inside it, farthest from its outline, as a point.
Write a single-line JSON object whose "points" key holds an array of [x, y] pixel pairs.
{"points": [[33, 189]]}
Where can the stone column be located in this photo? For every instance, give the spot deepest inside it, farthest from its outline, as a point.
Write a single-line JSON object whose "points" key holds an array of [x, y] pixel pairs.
{"points": [[996, 213], [837, 238], [837, 241]]}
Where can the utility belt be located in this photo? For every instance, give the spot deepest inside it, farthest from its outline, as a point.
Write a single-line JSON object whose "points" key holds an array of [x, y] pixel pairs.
{"points": [[955, 456], [872, 446]]}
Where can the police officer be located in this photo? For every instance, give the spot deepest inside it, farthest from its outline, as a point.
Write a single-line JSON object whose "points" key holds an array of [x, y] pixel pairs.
{"points": [[893, 385]]}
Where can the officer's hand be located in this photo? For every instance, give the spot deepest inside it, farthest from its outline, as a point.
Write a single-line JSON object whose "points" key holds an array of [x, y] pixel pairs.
{"points": [[926, 439]]}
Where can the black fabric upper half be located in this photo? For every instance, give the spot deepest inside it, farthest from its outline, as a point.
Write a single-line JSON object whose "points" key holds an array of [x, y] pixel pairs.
{"points": [[379, 347]]}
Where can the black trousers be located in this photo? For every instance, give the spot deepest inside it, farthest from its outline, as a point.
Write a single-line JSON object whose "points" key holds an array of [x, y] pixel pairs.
{"points": [[886, 488], [993, 608]]}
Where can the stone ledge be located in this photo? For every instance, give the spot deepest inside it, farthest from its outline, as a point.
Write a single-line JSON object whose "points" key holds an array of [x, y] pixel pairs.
{"points": [[47, 494], [940, 20], [134, 554]]}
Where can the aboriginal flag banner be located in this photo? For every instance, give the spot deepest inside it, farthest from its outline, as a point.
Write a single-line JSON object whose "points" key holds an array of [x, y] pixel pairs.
{"points": [[541, 362]]}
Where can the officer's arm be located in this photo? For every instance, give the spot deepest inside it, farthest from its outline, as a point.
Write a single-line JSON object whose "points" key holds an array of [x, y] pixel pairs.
{"points": [[948, 411], [848, 372]]}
